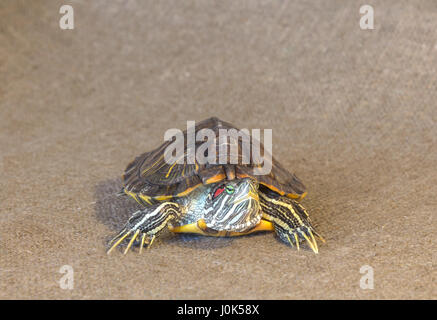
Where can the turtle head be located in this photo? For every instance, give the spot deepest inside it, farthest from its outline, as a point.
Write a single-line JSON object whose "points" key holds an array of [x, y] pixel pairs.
{"points": [[233, 205]]}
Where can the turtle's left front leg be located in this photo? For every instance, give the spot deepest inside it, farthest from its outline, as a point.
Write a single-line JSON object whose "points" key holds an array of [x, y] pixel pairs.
{"points": [[146, 224], [290, 220]]}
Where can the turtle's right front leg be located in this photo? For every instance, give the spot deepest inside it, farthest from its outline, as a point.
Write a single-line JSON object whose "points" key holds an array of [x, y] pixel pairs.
{"points": [[147, 224]]}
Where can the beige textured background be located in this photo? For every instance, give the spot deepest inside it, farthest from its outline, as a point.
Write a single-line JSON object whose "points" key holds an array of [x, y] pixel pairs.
{"points": [[353, 114]]}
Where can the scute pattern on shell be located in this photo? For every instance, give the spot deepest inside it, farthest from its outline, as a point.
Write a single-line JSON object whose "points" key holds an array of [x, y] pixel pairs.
{"points": [[150, 175]]}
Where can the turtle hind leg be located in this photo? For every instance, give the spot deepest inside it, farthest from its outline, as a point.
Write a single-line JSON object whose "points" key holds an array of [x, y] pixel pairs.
{"points": [[290, 220], [146, 224]]}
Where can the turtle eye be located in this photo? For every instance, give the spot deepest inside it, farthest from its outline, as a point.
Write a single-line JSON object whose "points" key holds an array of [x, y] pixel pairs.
{"points": [[230, 189]]}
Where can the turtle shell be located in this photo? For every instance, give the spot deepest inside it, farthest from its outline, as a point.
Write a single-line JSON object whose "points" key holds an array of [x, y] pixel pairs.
{"points": [[149, 176]]}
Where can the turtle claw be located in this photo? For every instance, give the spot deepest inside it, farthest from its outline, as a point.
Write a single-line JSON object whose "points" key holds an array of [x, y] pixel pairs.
{"points": [[143, 241], [118, 239], [131, 241], [297, 241], [136, 236], [311, 242], [319, 236], [303, 233]]}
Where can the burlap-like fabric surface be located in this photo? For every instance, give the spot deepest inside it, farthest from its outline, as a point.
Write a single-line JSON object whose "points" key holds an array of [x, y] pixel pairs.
{"points": [[353, 114]]}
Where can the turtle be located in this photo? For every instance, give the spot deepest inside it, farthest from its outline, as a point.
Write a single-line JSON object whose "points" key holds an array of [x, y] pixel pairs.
{"points": [[213, 199]]}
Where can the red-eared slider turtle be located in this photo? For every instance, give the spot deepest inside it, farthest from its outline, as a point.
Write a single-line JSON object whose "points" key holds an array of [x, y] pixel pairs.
{"points": [[213, 199]]}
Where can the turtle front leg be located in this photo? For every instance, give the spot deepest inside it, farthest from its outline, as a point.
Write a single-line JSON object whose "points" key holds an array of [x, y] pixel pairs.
{"points": [[146, 224], [290, 220]]}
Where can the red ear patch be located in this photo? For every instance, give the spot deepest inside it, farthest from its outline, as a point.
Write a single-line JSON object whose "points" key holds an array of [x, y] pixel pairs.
{"points": [[218, 191]]}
